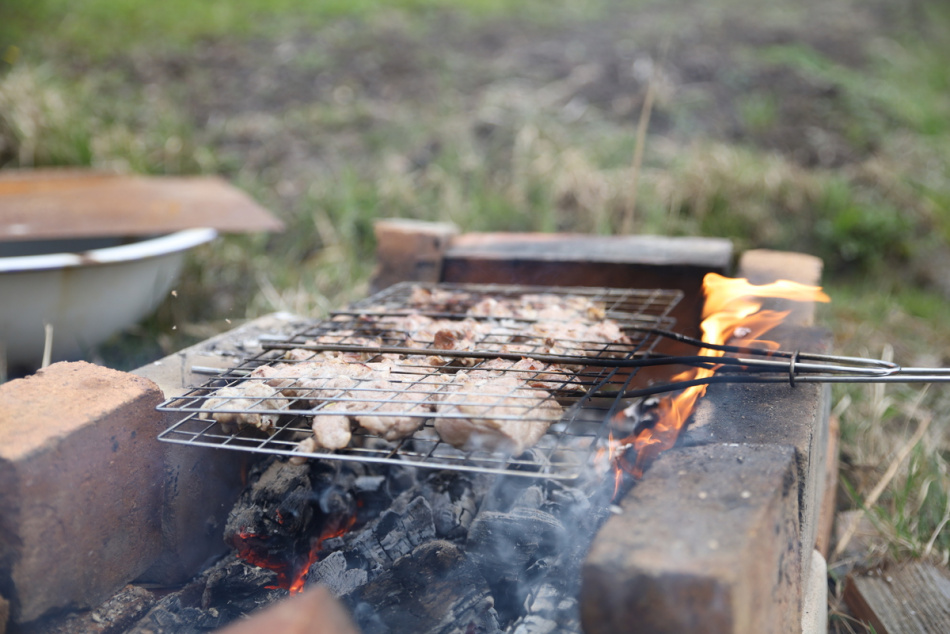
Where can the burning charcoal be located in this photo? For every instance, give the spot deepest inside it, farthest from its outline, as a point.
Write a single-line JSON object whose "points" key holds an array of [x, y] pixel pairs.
{"points": [[505, 493], [368, 483], [531, 498], [548, 609], [582, 511], [505, 546], [170, 616], [236, 587], [399, 533], [434, 589], [114, 616], [275, 520], [374, 547], [534, 624], [334, 572], [641, 414], [453, 502], [274, 509]]}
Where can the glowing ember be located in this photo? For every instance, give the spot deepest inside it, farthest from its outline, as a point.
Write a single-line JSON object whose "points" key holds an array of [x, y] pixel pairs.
{"points": [[732, 313], [291, 571], [296, 586]]}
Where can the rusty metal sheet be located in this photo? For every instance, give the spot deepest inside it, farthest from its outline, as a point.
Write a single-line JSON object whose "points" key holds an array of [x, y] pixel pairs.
{"points": [[71, 203]]}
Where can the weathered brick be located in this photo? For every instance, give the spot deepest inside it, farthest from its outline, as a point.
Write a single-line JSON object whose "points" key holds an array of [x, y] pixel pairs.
{"points": [[775, 414], [80, 486], [409, 250], [315, 611], [706, 541], [583, 260], [201, 484]]}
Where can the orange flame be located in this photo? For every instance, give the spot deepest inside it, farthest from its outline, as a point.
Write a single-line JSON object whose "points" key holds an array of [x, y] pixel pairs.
{"points": [[731, 314]]}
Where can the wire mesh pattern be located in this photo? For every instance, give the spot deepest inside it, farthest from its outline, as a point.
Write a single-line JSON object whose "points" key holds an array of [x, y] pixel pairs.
{"points": [[410, 374]]}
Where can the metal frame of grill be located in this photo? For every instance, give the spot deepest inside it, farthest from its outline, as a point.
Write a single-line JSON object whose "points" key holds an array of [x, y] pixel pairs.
{"points": [[375, 331]]}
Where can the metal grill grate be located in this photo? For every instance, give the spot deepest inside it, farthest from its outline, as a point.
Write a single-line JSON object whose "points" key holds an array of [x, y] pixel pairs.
{"points": [[415, 355]]}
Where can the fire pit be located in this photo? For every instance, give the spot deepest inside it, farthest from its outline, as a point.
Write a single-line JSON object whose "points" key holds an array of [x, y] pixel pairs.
{"points": [[470, 543]]}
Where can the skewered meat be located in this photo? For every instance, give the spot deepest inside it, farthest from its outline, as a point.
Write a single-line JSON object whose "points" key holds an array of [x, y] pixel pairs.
{"points": [[496, 414], [245, 397]]}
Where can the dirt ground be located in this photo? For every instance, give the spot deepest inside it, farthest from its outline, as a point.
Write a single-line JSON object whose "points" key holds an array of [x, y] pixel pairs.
{"points": [[296, 106]]}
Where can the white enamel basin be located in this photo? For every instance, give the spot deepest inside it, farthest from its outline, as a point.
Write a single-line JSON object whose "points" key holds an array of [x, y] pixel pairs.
{"points": [[88, 289]]}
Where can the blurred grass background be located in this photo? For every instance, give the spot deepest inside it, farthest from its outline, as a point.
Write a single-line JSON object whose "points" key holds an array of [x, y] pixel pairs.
{"points": [[821, 127]]}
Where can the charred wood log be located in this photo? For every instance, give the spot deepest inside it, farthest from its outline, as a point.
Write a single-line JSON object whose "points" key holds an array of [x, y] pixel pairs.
{"points": [[374, 548], [548, 609], [277, 520], [114, 616], [454, 502], [434, 589], [236, 587], [226, 591], [513, 550]]}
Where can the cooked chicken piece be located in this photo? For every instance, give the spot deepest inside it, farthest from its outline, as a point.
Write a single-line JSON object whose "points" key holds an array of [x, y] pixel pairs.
{"points": [[307, 445], [331, 431], [529, 371], [247, 396], [302, 354], [580, 337], [539, 307], [495, 414], [439, 299], [564, 308], [394, 409], [317, 380]]}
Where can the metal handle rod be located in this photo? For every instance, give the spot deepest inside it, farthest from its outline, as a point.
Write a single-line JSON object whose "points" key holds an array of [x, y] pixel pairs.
{"points": [[942, 376], [814, 356], [830, 363]]}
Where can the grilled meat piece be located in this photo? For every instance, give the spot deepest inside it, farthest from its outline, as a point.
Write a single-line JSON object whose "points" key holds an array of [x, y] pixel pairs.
{"points": [[539, 307], [583, 338], [548, 376], [495, 414], [331, 431], [247, 396]]}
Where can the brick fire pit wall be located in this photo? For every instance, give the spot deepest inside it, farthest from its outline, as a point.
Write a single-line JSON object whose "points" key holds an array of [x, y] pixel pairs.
{"points": [[80, 486], [743, 486]]}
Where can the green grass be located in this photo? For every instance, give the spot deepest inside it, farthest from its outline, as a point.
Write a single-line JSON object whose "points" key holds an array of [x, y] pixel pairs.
{"points": [[100, 29]]}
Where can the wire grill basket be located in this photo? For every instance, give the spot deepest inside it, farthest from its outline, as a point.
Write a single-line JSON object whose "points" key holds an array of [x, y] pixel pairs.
{"points": [[405, 367]]}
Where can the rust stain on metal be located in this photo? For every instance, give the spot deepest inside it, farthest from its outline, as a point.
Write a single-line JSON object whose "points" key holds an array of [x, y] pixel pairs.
{"points": [[50, 204]]}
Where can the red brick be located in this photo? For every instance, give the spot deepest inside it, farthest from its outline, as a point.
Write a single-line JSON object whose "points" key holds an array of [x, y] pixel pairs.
{"points": [[707, 542], [201, 483], [80, 486], [315, 611]]}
